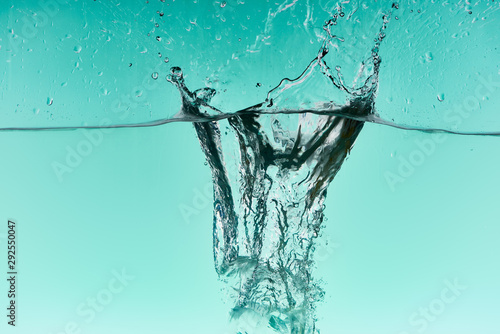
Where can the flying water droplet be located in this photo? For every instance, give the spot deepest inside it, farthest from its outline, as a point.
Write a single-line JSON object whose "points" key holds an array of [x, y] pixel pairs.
{"points": [[176, 75]]}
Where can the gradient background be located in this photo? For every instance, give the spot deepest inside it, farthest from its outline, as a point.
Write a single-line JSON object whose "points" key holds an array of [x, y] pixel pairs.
{"points": [[121, 207]]}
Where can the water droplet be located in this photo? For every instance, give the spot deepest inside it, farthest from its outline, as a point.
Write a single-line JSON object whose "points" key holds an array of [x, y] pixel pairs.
{"points": [[64, 84], [167, 60], [77, 49], [395, 5], [36, 111], [440, 97], [50, 101], [429, 56], [175, 75], [143, 50], [158, 38], [157, 25], [154, 75], [223, 4], [218, 37]]}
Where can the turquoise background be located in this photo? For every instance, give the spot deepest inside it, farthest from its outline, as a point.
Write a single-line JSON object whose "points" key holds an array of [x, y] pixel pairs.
{"points": [[137, 200], [389, 250]]}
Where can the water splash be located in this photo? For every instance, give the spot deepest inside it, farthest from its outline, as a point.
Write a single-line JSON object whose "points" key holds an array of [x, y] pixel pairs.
{"points": [[268, 215]]}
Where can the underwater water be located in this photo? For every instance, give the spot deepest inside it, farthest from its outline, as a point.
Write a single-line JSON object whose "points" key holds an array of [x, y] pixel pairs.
{"points": [[129, 227]]}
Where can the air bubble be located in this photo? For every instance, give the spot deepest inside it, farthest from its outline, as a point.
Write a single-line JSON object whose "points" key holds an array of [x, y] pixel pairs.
{"points": [[158, 38], [223, 4], [77, 49], [50, 101], [166, 60], [440, 97], [154, 75]]}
